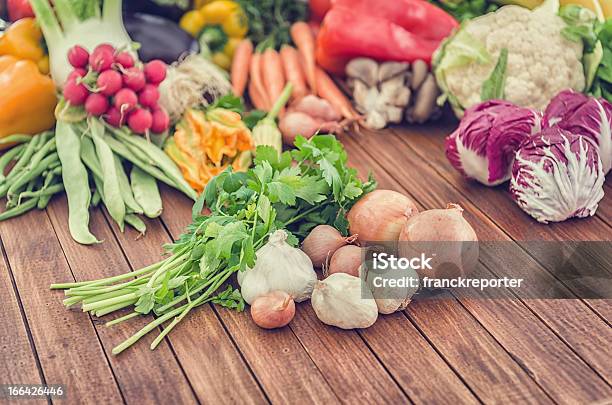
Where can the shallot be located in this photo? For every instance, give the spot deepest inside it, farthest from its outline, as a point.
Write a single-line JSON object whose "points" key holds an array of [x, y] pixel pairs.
{"points": [[273, 310], [322, 242], [347, 260], [380, 215]]}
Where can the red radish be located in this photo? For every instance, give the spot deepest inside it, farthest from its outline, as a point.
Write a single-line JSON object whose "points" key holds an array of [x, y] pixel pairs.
{"points": [[96, 104], [113, 117], [125, 100], [140, 120], [109, 82], [76, 73], [148, 96], [161, 121], [134, 78], [106, 46], [101, 59], [78, 56], [155, 71], [124, 59], [75, 93]]}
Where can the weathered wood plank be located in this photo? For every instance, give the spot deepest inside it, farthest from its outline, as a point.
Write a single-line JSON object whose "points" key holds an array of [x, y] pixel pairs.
{"points": [[18, 363], [142, 375], [205, 351], [37, 261], [497, 368], [269, 354], [435, 195]]}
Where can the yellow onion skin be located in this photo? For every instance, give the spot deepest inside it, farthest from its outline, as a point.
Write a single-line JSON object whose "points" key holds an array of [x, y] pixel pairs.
{"points": [[273, 310], [347, 260], [447, 235], [380, 215]]}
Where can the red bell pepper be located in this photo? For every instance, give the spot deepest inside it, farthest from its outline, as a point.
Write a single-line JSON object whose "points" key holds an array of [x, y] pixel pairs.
{"points": [[318, 9], [417, 16], [18, 9], [346, 34]]}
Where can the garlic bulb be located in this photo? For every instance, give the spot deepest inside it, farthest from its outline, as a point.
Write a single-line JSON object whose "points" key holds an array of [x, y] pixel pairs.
{"points": [[392, 289], [341, 300], [278, 267]]}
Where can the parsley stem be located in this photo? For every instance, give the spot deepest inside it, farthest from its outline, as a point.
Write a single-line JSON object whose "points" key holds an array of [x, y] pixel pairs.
{"points": [[303, 214]]}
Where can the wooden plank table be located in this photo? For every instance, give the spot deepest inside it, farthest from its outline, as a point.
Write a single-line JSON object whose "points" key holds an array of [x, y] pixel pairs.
{"points": [[461, 349]]}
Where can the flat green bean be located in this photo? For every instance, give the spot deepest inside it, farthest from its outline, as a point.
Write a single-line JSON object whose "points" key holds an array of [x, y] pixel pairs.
{"points": [[15, 139], [19, 209], [131, 204], [31, 173], [89, 157], [146, 192], [76, 183], [8, 157], [95, 198], [137, 223], [112, 194], [162, 161]]}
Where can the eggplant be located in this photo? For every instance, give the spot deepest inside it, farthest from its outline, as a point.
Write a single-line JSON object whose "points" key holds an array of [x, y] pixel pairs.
{"points": [[159, 38], [171, 12]]}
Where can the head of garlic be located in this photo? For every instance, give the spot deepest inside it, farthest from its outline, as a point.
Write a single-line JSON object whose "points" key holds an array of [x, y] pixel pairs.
{"points": [[342, 300], [392, 288], [279, 266]]}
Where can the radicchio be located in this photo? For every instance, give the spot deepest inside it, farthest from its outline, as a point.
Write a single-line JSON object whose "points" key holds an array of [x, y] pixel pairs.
{"points": [[484, 145], [557, 175], [583, 115]]}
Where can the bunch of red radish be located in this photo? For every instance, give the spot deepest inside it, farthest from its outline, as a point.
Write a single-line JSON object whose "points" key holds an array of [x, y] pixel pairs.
{"points": [[110, 84]]}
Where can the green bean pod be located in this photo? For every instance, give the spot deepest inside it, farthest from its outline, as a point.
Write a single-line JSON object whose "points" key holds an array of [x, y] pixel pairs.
{"points": [[16, 139], [146, 192], [137, 223], [31, 174], [112, 194], [131, 204], [76, 183], [19, 209], [8, 157]]}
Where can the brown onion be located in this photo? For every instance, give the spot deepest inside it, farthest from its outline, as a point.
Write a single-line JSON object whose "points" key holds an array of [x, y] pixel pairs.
{"points": [[273, 310], [322, 242], [452, 241], [347, 260], [380, 215]]}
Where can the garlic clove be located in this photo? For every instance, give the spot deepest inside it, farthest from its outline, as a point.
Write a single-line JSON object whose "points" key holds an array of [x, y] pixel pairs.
{"points": [[364, 69]]}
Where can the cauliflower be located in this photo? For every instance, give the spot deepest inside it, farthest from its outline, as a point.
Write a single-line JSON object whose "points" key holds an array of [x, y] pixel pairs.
{"points": [[540, 60]]}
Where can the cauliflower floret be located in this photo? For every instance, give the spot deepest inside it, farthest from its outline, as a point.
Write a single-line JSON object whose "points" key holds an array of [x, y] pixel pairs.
{"points": [[541, 62]]}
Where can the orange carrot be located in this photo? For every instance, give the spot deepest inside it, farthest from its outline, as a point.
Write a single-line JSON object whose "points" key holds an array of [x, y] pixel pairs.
{"points": [[302, 36], [256, 98], [330, 92], [258, 86], [293, 71], [240, 66], [273, 75]]}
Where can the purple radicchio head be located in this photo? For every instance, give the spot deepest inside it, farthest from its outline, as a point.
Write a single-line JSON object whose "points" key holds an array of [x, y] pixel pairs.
{"points": [[583, 115], [484, 145], [557, 175]]}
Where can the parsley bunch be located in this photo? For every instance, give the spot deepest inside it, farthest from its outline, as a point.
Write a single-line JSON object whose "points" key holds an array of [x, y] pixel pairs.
{"points": [[295, 191]]}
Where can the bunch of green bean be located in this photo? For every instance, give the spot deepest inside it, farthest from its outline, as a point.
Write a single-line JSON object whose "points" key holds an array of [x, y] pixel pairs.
{"points": [[91, 162], [92, 150], [35, 176]]}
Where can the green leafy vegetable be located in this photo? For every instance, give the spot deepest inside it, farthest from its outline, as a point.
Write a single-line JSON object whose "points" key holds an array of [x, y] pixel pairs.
{"points": [[493, 87], [295, 191], [466, 9]]}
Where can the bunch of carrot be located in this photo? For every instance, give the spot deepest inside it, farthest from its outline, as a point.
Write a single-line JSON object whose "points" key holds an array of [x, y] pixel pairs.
{"points": [[265, 73]]}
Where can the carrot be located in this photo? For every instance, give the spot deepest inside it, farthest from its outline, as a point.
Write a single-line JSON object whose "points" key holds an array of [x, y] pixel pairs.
{"points": [[330, 92], [256, 98], [240, 66], [273, 75], [293, 71], [302, 36], [259, 91]]}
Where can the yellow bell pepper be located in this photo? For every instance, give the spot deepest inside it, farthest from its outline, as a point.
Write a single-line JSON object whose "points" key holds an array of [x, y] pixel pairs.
{"points": [[28, 98], [23, 40], [219, 25]]}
